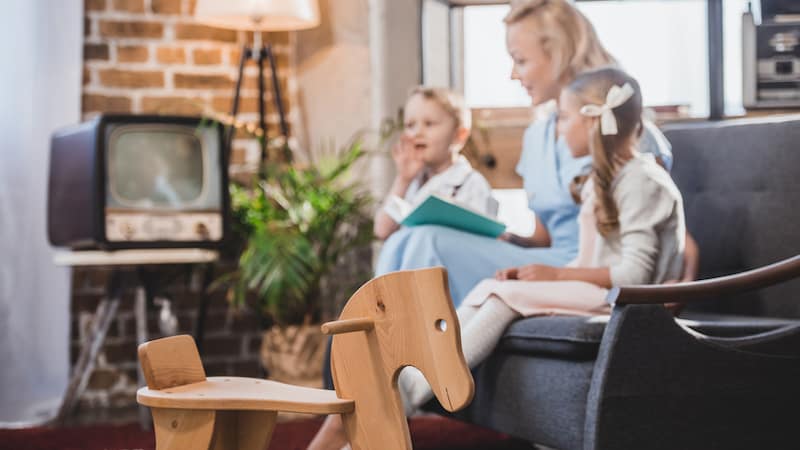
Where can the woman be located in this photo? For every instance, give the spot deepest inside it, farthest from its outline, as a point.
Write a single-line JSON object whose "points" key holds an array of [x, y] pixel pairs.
{"points": [[550, 42]]}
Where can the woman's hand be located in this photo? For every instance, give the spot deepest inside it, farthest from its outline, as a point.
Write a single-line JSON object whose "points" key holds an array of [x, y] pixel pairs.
{"points": [[515, 239], [691, 259], [511, 238], [691, 264], [407, 159], [539, 238], [531, 272]]}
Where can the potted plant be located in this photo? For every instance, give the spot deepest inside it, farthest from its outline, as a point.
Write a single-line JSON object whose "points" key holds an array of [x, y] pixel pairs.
{"points": [[298, 224]]}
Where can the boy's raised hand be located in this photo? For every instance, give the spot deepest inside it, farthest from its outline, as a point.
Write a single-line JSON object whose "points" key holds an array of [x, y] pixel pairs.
{"points": [[407, 158]]}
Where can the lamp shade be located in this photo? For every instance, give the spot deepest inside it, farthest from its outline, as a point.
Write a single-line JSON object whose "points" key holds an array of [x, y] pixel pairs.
{"points": [[259, 15]]}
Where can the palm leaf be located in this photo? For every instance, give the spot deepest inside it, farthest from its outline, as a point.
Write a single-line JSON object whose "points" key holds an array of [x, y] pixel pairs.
{"points": [[297, 222]]}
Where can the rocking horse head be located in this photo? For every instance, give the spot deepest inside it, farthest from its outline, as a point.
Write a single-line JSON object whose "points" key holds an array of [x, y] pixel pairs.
{"points": [[400, 319]]}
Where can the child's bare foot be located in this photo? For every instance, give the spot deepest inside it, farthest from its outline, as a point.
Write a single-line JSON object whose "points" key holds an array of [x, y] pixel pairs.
{"points": [[331, 436]]}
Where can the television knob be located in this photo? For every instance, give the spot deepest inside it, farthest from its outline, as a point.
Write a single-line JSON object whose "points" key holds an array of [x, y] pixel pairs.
{"points": [[202, 230], [127, 230]]}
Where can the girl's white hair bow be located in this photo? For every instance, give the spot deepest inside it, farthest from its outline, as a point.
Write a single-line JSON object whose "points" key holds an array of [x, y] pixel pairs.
{"points": [[616, 96]]}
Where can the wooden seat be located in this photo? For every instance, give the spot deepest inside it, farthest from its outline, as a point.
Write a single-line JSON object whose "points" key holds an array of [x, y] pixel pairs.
{"points": [[400, 319], [236, 393]]}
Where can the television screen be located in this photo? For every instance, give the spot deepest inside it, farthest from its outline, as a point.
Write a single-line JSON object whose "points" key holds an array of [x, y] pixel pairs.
{"points": [[160, 167]]}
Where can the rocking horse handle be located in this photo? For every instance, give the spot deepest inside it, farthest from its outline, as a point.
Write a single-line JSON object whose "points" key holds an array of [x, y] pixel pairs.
{"points": [[348, 326]]}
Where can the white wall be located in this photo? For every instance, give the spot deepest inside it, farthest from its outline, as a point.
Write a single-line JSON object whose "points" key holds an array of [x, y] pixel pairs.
{"points": [[395, 54], [333, 74], [41, 44], [353, 71]]}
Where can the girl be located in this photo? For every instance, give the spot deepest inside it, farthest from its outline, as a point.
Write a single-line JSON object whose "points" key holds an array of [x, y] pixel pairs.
{"points": [[631, 225], [436, 127], [550, 42]]}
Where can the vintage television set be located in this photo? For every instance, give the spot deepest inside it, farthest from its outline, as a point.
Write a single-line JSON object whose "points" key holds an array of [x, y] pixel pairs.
{"points": [[129, 181]]}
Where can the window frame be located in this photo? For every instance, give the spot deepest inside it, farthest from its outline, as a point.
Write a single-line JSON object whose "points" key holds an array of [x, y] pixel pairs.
{"points": [[455, 65]]}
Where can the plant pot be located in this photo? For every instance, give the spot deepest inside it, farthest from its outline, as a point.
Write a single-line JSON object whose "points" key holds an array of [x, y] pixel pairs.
{"points": [[294, 354]]}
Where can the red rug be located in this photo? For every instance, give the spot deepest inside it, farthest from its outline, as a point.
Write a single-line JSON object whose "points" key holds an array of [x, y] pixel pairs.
{"points": [[427, 433]]}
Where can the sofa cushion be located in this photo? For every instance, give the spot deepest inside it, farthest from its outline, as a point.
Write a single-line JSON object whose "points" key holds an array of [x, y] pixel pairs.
{"points": [[563, 336], [578, 338]]}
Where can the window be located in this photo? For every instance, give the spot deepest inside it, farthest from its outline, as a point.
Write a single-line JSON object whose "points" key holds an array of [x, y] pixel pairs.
{"points": [[487, 66], [732, 30], [663, 43]]}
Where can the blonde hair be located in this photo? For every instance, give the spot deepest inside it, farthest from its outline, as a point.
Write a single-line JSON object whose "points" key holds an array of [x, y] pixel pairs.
{"points": [[566, 35], [452, 102], [592, 88]]}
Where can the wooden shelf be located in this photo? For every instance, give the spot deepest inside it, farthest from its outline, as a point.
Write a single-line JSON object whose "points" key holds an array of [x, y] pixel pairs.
{"points": [[134, 257]]}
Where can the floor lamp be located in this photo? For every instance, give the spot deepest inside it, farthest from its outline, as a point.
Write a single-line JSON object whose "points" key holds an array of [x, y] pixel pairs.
{"points": [[259, 16]]}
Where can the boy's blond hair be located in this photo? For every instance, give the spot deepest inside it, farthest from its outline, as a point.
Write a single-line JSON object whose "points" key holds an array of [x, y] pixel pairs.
{"points": [[566, 35], [452, 102]]}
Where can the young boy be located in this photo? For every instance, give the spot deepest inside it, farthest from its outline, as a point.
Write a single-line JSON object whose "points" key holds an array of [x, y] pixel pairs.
{"points": [[437, 125]]}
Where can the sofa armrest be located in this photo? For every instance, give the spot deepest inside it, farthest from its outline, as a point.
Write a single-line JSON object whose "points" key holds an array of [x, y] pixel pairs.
{"points": [[779, 272]]}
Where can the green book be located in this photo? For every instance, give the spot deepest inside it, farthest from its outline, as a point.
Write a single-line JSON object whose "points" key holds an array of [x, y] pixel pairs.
{"points": [[436, 210]]}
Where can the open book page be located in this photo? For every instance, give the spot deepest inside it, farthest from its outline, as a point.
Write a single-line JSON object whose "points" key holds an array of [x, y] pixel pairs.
{"points": [[438, 210], [398, 208], [466, 206], [514, 211]]}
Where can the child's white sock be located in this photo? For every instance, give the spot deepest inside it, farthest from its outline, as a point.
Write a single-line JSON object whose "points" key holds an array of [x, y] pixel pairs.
{"points": [[465, 314], [481, 330]]}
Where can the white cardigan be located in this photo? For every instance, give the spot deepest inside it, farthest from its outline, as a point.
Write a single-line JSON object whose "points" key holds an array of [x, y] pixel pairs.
{"points": [[648, 246]]}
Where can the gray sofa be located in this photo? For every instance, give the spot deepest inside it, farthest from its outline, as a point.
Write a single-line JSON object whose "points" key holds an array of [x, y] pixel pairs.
{"points": [[724, 376]]}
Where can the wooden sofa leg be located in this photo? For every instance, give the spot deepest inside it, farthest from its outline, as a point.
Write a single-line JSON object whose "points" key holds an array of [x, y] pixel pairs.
{"points": [[180, 429], [243, 430]]}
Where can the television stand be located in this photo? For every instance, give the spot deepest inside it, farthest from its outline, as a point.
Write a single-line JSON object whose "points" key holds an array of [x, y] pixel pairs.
{"points": [[125, 265]]}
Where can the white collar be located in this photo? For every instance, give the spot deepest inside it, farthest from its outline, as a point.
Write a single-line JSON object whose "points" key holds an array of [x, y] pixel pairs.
{"points": [[455, 174], [545, 110]]}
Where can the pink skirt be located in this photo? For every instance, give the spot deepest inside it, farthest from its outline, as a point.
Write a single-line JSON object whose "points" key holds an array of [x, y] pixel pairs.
{"points": [[543, 298]]}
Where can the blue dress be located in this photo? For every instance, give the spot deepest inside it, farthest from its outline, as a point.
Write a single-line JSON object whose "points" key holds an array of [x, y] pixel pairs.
{"points": [[547, 168]]}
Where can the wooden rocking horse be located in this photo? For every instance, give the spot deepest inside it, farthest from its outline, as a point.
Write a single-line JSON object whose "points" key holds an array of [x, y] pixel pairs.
{"points": [[396, 320]]}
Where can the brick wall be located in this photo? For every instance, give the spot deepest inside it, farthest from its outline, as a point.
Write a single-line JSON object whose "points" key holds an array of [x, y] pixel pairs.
{"points": [[150, 56], [230, 346]]}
